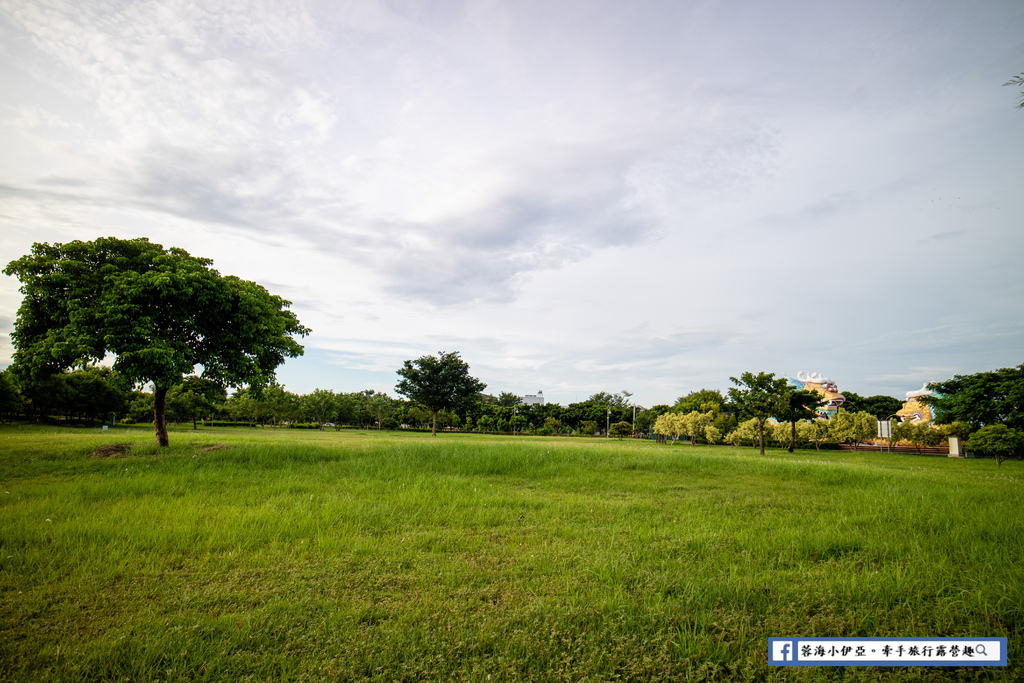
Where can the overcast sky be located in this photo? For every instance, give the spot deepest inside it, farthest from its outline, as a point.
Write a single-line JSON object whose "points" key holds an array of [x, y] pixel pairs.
{"points": [[578, 196]]}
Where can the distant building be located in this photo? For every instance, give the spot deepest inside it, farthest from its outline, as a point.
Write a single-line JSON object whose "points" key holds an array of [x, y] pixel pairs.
{"points": [[915, 409], [826, 388], [532, 400]]}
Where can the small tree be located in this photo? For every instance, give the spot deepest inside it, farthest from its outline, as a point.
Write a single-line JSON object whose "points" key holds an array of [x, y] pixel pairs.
{"points": [[853, 427], [439, 383], [140, 407], [760, 397], [813, 431], [517, 423], [244, 406], [998, 440], [780, 432], [194, 398], [919, 434], [695, 424], [320, 406], [745, 431], [712, 434], [282, 405], [621, 429], [670, 424], [380, 407]]}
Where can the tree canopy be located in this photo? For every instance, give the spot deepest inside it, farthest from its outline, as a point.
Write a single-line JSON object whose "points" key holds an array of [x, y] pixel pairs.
{"points": [[159, 312], [998, 440], [617, 400], [701, 401], [509, 400], [438, 383], [985, 398], [881, 406], [621, 429]]}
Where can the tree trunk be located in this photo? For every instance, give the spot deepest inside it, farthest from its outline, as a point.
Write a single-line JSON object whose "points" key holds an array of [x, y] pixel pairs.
{"points": [[792, 436], [434, 430], [194, 425], [160, 415], [760, 429]]}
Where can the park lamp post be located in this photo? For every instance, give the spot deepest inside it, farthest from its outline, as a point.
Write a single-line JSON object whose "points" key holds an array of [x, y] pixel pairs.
{"points": [[608, 424]]}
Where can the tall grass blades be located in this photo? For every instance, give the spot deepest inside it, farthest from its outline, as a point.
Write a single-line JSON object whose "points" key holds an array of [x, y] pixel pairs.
{"points": [[304, 555]]}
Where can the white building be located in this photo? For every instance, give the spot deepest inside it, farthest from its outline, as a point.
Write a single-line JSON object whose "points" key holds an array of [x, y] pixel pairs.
{"points": [[532, 400]]}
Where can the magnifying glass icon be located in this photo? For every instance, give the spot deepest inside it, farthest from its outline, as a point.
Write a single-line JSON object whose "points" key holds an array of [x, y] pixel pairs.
{"points": [[980, 649]]}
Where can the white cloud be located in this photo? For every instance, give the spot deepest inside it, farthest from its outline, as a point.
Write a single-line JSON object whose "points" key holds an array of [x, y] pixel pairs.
{"points": [[652, 196]]}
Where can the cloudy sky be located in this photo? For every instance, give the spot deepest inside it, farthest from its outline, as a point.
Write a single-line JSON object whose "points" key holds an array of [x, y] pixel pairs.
{"points": [[578, 196]]}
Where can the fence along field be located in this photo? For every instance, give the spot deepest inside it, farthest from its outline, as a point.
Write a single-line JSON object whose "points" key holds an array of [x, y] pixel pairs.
{"points": [[306, 555]]}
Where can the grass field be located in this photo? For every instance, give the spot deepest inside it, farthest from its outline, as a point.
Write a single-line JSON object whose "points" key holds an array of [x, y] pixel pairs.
{"points": [[303, 555]]}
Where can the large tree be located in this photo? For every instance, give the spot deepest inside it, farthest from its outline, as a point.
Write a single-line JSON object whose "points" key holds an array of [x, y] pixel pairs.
{"points": [[985, 398], [759, 396], [159, 312], [438, 383]]}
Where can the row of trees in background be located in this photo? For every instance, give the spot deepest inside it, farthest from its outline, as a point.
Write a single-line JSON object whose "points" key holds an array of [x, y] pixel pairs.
{"points": [[775, 411], [704, 415], [100, 394], [986, 410], [843, 427]]}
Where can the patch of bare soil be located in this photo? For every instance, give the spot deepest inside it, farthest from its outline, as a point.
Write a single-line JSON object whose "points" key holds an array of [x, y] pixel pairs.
{"points": [[114, 450]]}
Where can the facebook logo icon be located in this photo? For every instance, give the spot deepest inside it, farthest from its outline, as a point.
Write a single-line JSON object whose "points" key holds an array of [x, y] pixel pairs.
{"points": [[783, 650]]}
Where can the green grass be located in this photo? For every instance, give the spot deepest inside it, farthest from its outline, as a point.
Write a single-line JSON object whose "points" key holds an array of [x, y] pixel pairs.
{"points": [[303, 555]]}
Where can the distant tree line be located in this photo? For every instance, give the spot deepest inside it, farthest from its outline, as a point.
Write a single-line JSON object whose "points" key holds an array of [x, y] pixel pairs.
{"points": [[99, 394], [985, 410]]}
